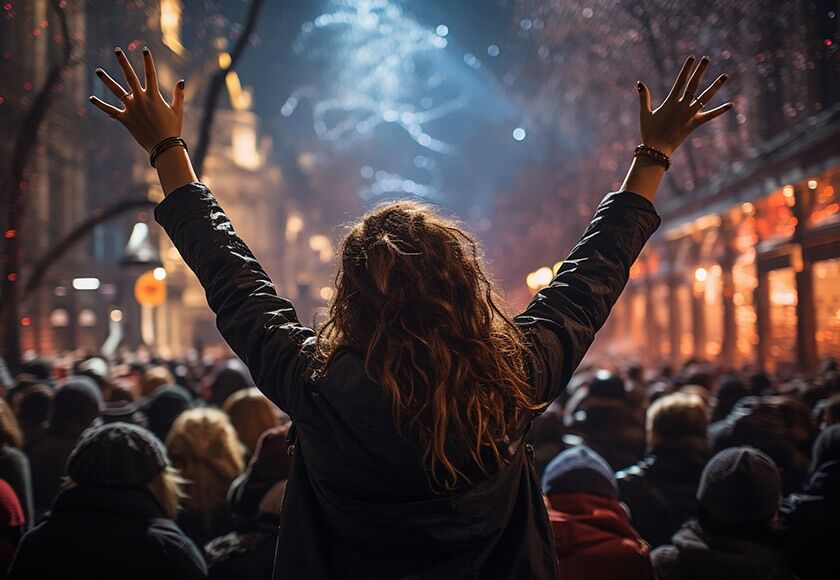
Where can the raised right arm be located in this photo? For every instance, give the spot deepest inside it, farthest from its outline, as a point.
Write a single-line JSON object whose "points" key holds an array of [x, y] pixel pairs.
{"points": [[561, 321]]}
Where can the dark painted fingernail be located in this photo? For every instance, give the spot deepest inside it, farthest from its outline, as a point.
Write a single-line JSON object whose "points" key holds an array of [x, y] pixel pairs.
{"points": [[145, 50], [117, 50], [181, 83], [100, 72], [90, 98], [691, 58], [724, 78], [639, 85], [705, 59]]}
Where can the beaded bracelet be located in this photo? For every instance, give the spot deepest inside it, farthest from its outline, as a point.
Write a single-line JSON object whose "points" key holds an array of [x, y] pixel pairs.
{"points": [[163, 146], [655, 154]]}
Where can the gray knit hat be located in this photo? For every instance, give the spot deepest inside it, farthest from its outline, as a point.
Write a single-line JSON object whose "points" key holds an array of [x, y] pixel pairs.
{"points": [[740, 485], [117, 455]]}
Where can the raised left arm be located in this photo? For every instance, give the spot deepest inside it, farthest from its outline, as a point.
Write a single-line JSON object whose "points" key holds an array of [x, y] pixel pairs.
{"points": [[261, 327]]}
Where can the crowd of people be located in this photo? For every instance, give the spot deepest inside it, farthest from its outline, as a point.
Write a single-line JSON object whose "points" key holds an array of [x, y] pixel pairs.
{"points": [[180, 469]]}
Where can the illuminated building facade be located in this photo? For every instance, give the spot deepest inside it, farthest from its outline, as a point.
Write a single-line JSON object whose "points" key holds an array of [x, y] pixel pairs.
{"points": [[745, 270]]}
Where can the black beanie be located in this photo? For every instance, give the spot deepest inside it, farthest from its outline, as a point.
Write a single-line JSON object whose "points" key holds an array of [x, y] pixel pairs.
{"points": [[579, 470], [117, 455], [76, 403], [740, 485]]}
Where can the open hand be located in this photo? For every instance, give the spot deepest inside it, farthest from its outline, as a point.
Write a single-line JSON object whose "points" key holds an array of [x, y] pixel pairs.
{"points": [[681, 111], [145, 113]]}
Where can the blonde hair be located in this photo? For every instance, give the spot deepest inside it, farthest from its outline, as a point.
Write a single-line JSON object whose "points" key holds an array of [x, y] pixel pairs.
{"points": [[204, 446], [677, 416], [168, 489], [251, 414], [9, 430]]}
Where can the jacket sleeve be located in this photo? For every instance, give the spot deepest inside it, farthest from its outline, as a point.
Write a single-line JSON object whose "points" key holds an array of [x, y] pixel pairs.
{"points": [[260, 327], [562, 319]]}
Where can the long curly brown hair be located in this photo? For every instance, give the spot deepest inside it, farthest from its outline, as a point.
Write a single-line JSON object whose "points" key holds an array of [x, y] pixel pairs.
{"points": [[412, 296]]}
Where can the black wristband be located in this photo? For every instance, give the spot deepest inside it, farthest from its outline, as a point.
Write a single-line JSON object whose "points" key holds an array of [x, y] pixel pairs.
{"points": [[163, 146], [658, 156]]}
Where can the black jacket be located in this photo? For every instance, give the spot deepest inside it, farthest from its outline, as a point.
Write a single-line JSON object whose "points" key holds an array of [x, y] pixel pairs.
{"points": [[358, 502], [661, 490], [812, 522], [97, 533], [696, 555]]}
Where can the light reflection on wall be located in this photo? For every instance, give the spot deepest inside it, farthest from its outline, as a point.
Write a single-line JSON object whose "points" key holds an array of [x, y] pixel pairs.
{"points": [[782, 339], [827, 299]]}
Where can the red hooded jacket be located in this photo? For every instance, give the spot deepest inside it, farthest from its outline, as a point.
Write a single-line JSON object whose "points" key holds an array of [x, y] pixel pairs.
{"points": [[594, 539]]}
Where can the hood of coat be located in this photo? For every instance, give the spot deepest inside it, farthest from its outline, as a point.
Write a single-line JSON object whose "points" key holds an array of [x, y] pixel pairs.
{"points": [[584, 522], [726, 557]]}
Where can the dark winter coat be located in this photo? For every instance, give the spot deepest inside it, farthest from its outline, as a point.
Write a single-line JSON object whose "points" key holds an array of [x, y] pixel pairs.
{"points": [[105, 533], [661, 490], [696, 555], [359, 503], [812, 522]]}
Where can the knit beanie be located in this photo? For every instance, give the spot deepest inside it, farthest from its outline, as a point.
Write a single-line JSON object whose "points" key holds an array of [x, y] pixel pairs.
{"points": [[740, 485], [117, 455], [76, 403], [163, 406], [608, 385], [579, 470]]}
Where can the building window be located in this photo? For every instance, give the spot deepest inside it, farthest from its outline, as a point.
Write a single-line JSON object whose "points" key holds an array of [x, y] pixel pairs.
{"points": [[827, 298], [170, 25], [782, 340], [745, 281], [244, 142]]}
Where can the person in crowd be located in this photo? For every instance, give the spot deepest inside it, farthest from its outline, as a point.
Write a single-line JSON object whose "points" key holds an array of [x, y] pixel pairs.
{"points": [[12, 526], [76, 404], [32, 404], [153, 377], [636, 385], [256, 501], [661, 489], [7, 382], [96, 368], [412, 399], [730, 389], [231, 376], [607, 419], [760, 384], [767, 424], [252, 414], [114, 515], [39, 370], [203, 445], [830, 412], [812, 517], [163, 406], [698, 391], [14, 465], [734, 536], [592, 532]]}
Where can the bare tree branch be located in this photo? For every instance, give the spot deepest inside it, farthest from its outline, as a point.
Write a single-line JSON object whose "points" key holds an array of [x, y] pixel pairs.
{"points": [[13, 193], [217, 84]]}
